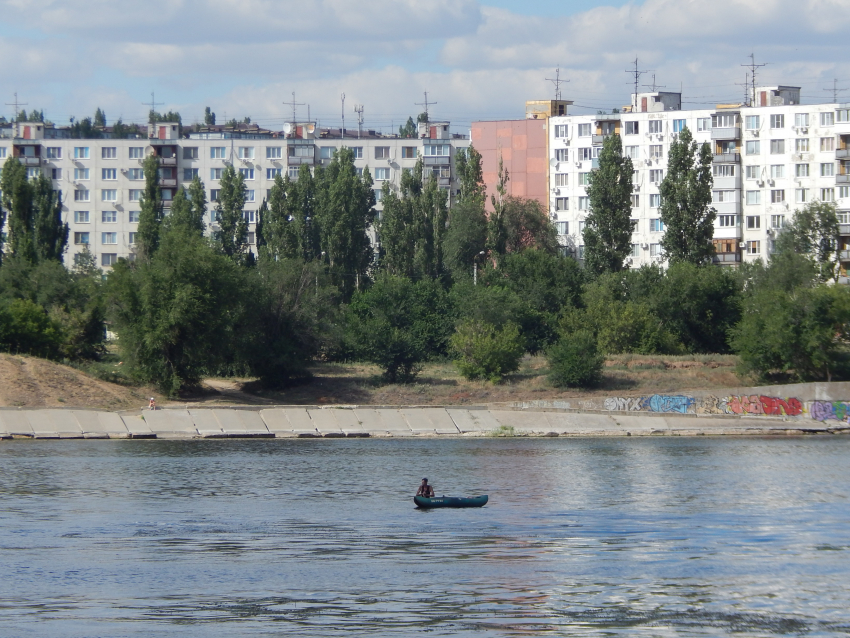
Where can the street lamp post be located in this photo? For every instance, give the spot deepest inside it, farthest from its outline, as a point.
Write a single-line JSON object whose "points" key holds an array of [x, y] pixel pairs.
{"points": [[475, 268]]}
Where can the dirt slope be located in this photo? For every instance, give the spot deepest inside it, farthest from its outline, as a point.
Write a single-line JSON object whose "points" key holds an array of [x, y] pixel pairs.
{"points": [[38, 383]]}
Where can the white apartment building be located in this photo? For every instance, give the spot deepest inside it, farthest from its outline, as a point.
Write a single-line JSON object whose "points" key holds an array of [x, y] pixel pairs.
{"points": [[101, 180], [768, 161]]}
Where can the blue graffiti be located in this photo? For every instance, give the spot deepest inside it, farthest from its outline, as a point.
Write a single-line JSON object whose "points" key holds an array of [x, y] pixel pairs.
{"points": [[665, 403]]}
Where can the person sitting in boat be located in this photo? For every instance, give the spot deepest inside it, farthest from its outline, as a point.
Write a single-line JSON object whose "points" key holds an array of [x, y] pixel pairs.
{"points": [[425, 490]]}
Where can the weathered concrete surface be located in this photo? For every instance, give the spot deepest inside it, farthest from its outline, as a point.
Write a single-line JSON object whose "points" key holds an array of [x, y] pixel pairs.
{"points": [[101, 424], [137, 426], [171, 423], [472, 421], [54, 424]]}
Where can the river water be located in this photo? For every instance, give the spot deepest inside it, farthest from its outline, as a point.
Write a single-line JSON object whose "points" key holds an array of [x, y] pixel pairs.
{"points": [[582, 537]]}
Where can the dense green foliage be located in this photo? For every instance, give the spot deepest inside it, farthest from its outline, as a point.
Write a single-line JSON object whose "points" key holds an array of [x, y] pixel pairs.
{"points": [[485, 351], [575, 361]]}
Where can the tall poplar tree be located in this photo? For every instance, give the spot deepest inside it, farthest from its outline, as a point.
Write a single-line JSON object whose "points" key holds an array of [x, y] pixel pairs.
{"points": [[197, 196], [466, 235], [230, 215], [50, 233], [150, 215], [686, 210], [17, 202], [608, 227]]}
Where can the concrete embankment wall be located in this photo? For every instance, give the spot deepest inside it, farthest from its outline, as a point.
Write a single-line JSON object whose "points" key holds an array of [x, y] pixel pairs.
{"points": [[355, 421]]}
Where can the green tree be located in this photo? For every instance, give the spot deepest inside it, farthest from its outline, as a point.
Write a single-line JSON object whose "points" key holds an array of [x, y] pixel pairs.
{"points": [[686, 210], [99, 118], [50, 234], [575, 361], [197, 195], [408, 130], [813, 232], [25, 327], [150, 215], [84, 130], [277, 236], [121, 131], [608, 228], [209, 117], [486, 352], [229, 214], [466, 235], [17, 201]]}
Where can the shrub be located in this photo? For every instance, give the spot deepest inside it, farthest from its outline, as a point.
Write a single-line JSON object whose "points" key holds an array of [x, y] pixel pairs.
{"points": [[487, 352], [575, 361], [25, 327]]}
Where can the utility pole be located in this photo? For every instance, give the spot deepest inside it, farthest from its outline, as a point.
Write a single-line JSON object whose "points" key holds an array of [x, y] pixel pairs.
{"points": [[294, 106], [342, 97], [557, 82], [835, 90], [153, 104], [752, 66], [358, 108], [637, 73], [426, 103], [16, 104]]}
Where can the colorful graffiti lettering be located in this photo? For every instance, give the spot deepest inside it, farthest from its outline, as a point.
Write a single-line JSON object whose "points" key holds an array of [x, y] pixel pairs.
{"points": [[744, 405], [624, 404], [711, 405], [782, 407], [829, 410], [664, 403]]}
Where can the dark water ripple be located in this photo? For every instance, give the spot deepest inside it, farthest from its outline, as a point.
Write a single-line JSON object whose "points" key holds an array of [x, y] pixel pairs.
{"points": [[589, 537]]}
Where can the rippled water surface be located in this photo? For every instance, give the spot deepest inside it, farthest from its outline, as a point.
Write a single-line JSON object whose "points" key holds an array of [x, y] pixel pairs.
{"points": [[582, 537]]}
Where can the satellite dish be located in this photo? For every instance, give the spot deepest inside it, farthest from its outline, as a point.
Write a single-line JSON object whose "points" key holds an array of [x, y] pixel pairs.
{"points": [[311, 128], [552, 162], [287, 128]]}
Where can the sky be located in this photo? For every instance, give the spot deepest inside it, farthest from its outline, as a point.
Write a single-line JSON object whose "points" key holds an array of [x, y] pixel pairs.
{"points": [[476, 59]]}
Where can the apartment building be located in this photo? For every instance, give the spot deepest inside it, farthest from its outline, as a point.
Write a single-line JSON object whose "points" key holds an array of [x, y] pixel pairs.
{"points": [[767, 161], [101, 180]]}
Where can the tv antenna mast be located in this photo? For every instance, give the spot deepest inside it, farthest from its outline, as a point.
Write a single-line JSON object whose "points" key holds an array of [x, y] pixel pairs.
{"points": [[294, 106], [752, 66], [342, 97], [16, 104], [835, 90], [426, 103], [746, 86], [153, 104], [358, 108], [557, 82], [654, 87], [637, 73]]}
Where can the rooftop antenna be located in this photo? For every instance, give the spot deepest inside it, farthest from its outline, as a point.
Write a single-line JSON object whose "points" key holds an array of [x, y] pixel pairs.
{"points": [[835, 90], [16, 104], [746, 86], [358, 108], [557, 82], [153, 104], [753, 66], [342, 97], [655, 86], [426, 103], [637, 73], [294, 106]]}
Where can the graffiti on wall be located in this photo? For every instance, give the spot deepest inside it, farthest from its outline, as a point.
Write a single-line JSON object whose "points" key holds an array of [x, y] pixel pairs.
{"points": [[746, 405], [826, 410]]}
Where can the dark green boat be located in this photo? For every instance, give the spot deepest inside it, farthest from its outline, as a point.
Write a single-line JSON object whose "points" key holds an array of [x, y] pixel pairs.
{"points": [[450, 501]]}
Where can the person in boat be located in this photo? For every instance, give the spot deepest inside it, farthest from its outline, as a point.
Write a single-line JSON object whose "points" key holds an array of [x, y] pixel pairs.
{"points": [[425, 490]]}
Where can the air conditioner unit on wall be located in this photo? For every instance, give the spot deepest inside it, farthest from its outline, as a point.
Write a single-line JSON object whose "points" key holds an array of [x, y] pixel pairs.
{"points": [[742, 244]]}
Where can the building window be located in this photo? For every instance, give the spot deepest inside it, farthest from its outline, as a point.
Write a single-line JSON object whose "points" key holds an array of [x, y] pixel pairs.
{"points": [[753, 172], [382, 174], [326, 152], [131, 238], [801, 170], [81, 195], [292, 172], [635, 201], [108, 152], [655, 250], [55, 173], [136, 174], [632, 152], [584, 179], [135, 195], [81, 238], [81, 217], [656, 226], [562, 203], [723, 170], [272, 173], [753, 198], [585, 154], [108, 216], [563, 228], [357, 151], [727, 221], [752, 122], [109, 173], [827, 194], [133, 216], [408, 152], [583, 203], [437, 150], [274, 152], [167, 194], [81, 174], [635, 250], [250, 216], [703, 124], [753, 247], [827, 119], [656, 151], [801, 145], [245, 152], [562, 155], [777, 222], [379, 194], [753, 147], [656, 126], [108, 195], [724, 120], [777, 147], [108, 259], [801, 119], [777, 121], [584, 130], [827, 169], [81, 152], [247, 173], [679, 125], [843, 192], [189, 174], [777, 171], [723, 196], [654, 200], [656, 176], [217, 152], [753, 222], [215, 173], [562, 179], [827, 143], [842, 115], [136, 152], [249, 196], [777, 196], [190, 152], [54, 152], [632, 128], [382, 152], [214, 194], [561, 130], [109, 238]]}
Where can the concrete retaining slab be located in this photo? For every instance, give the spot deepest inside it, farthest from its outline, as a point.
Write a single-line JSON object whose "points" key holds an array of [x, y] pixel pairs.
{"points": [[392, 422], [640, 424], [288, 422], [324, 421], [101, 424], [15, 423], [418, 421], [349, 423], [276, 422], [54, 424], [137, 427], [206, 424], [472, 421], [443, 423], [523, 422], [171, 423], [242, 423]]}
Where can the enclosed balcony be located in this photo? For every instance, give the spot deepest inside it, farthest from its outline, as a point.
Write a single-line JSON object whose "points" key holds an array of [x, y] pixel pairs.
{"points": [[727, 183], [726, 158], [727, 258], [726, 133]]}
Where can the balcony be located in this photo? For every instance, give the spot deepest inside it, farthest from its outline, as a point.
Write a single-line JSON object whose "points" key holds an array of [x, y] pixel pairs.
{"points": [[30, 161], [439, 160], [296, 161], [842, 179], [727, 258], [727, 183], [445, 181], [726, 158], [844, 255], [168, 183], [842, 153], [727, 232], [598, 140], [168, 161], [727, 208], [726, 133], [844, 229]]}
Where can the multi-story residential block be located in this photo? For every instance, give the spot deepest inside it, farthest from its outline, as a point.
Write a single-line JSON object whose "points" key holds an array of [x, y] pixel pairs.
{"points": [[101, 180]]}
